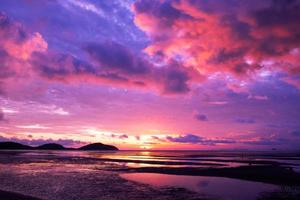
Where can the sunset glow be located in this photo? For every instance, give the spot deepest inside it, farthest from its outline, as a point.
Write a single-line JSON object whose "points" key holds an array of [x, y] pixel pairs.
{"points": [[151, 74]]}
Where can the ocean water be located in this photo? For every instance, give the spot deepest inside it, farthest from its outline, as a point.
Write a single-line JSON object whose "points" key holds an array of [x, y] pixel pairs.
{"points": [[78, 175], [218, 187]]}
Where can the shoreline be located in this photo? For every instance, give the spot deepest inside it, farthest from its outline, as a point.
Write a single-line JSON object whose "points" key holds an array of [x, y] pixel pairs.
{"points": [[57, 175], [276, 175]]}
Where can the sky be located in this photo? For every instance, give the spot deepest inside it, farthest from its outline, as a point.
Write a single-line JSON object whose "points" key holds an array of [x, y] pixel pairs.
{"points": [[151, 74]]}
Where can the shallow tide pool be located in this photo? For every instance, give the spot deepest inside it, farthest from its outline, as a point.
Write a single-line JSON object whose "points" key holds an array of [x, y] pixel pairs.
{"points": [[221, 188]]}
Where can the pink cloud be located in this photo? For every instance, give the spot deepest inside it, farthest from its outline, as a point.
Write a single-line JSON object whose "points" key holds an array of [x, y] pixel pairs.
{"points": [[292, 81], [129, 70], [26, 55], [213, 37], [17, 42]]}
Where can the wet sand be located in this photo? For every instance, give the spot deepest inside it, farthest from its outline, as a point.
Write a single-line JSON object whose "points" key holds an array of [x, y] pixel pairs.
{"points": [[49, 175], [72, 182], [266, 174]]}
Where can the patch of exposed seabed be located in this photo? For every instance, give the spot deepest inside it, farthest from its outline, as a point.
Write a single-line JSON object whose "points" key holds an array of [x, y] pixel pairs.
{"points": [[54, 181], [94, 175]]}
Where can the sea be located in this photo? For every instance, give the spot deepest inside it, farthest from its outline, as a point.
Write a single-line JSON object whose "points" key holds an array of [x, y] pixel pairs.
{"points": [[70, 174]]}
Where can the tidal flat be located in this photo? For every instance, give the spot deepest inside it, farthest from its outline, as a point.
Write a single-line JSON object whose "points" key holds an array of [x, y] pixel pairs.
{"points": [[72, 175]]}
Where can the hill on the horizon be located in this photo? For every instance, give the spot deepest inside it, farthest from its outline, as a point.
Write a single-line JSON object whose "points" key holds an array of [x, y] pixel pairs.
{"points": [[98, 146], [13, 145], [54, 146], [51, 146]]}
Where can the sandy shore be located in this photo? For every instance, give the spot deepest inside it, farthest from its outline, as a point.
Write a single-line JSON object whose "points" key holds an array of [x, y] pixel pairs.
{"points": [[64, 176], [52, 181], [267, 174]]}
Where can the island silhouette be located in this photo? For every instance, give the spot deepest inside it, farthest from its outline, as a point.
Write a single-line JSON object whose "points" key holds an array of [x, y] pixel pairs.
{"points": [[53, 146], [98, 146]]}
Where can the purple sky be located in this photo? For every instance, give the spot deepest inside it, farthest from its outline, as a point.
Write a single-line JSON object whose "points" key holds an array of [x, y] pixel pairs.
{"points": [[160, 74]]}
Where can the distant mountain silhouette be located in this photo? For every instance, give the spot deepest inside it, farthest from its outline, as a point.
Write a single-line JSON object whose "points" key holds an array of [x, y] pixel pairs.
{"points": [[54, 146], [51, 146], [98, 146], [13, 145]]}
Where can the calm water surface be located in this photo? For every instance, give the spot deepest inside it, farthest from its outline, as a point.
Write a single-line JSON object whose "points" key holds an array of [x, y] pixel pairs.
{"points": [[31, 163], [221, 188]]}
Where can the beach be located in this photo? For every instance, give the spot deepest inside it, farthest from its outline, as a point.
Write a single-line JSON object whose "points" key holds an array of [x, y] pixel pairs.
{"points": [[65, 175]]}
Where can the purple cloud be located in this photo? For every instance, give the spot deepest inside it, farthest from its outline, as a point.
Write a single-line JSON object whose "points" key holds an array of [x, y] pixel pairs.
{"points": [[201, 117], [1, 115], [123, 136], [37, 142], [296, 133], [175, 81], [259, 30], [137, 137], [115, 57], [99, 62], [266, 141], [195, 139], [112, 64], [158, 138], [245, 121]]}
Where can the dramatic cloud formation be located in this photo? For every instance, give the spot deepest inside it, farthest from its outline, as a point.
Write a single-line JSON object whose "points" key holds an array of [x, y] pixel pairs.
{"points": [[112, 63], [122, 64], [116, 65], [17, 47], [181, 52], [239, 37], [140, 73], [16, 42]]}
